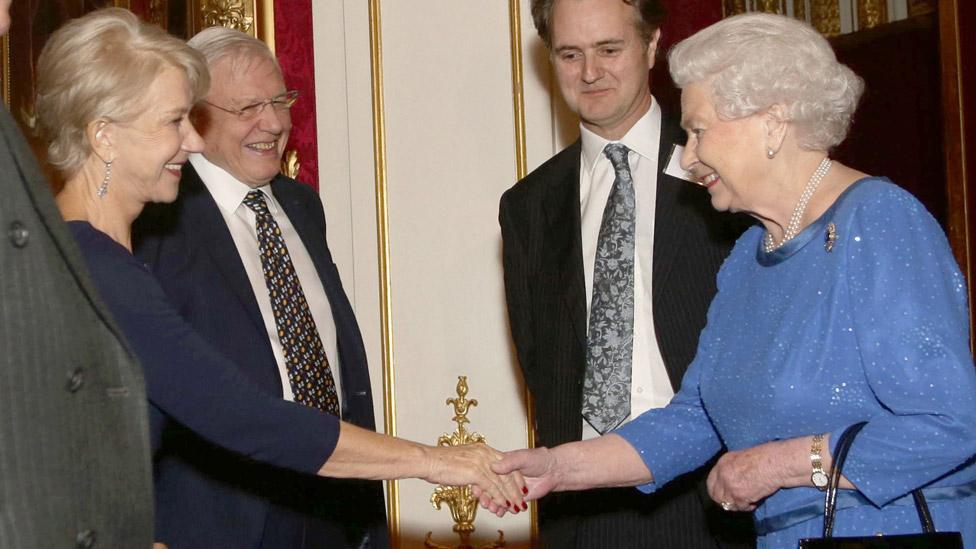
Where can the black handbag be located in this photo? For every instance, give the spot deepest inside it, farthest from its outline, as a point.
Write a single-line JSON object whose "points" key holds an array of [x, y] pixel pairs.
{"points": [[929, 538]]}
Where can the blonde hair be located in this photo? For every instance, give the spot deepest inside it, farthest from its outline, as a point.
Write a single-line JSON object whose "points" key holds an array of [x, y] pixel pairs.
{"points": [[755, 61], [99, 66]]}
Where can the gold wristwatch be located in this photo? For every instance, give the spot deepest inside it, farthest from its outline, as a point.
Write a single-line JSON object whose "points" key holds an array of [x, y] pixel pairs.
{"points": [[818, 477]]}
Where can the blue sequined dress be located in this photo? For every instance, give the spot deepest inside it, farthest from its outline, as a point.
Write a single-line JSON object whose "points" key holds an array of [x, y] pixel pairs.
{"points": [[806, 340]]}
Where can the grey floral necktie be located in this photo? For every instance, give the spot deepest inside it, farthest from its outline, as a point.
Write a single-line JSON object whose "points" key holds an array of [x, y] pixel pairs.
{"points": [[308, 367], [610, 340]]}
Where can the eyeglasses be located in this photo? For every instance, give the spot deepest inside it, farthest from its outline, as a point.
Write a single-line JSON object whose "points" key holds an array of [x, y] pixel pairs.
{"points": [[280, 103]]}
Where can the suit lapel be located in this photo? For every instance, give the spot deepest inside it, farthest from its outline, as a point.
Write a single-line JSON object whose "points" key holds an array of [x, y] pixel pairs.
{"points": [[217, 241], [296, 208], [563, 216], [667, 224], [670, 234]]}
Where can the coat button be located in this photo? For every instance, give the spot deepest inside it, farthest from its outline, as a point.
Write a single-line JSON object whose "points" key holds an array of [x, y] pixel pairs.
{"points": [[18, 233], [85, 539], [76, 378]]}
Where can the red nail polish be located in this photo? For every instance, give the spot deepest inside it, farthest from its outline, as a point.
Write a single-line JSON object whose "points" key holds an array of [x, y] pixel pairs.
{"points": [[508, 503], [525, 506], [525, 490], [515, 510]]}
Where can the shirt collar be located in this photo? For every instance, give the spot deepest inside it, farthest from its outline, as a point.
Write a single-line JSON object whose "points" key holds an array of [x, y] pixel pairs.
{"points": [[227, 191], [642, 138]]}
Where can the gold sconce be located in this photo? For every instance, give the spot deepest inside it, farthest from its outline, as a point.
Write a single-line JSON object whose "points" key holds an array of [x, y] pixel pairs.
{"points": [[290, 163], [463, 505]]}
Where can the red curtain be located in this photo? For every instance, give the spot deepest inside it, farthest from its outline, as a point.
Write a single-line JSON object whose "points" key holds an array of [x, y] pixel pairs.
{"points": [[293, 46]]}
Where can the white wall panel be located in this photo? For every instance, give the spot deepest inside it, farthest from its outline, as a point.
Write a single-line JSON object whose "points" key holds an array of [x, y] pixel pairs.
{"points": [[450, 153]]}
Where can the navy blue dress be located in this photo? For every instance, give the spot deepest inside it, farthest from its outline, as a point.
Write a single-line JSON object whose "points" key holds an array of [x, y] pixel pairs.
{"points": [[189, 382], [861, 317]]}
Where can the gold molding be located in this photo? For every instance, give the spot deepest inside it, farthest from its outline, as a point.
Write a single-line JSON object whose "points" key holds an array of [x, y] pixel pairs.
{"points": [[383, 245], [771, 6], [233, 14], [518, 88], [871, 13], [800, 10], [733, 7], [825, 16], [254, 17], [264, 14], [518, 110]]}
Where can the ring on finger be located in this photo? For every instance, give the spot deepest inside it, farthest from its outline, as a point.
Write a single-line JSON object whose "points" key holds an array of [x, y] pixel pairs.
{"points": [[726, 506]]}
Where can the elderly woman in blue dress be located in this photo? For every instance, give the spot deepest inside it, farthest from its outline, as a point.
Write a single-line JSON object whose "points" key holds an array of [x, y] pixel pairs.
{"points": [[843, 304]]}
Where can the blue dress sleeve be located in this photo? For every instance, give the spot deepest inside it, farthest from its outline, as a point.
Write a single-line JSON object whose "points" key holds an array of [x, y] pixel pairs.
{"points": [[189, 382], [911, 322], [680, 437]]}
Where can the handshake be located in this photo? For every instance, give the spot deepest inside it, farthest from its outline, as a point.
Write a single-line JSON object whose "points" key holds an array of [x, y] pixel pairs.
{"points": [[502, 481]]}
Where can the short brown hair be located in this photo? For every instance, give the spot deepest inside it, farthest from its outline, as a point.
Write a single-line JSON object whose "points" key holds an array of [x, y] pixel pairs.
{"points": [[650, 16]]}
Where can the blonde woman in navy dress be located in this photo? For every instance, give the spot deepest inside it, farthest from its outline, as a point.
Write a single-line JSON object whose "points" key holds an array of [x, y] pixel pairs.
{"points": [[843, 304], [114, 97]]}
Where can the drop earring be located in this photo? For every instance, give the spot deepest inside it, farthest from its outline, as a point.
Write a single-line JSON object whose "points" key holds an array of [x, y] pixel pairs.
{"points": [[103, 188]]}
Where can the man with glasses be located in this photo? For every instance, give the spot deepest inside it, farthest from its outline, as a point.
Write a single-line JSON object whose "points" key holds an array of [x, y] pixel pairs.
{"points": [[242, 254]]}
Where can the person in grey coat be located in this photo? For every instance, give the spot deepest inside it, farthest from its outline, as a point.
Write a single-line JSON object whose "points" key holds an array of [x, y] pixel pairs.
{"points": [[75, 469]]}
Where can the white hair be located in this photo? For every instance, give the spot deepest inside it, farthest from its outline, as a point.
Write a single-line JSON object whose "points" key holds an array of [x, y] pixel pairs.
{"points": [[217, 43], [755, 61]]}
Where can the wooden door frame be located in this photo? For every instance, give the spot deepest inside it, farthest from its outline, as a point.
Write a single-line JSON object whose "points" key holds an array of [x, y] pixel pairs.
{"points": [[957, 31]]}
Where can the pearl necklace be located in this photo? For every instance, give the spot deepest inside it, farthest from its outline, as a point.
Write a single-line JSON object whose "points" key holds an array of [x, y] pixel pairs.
{"points": [[793, 227]]}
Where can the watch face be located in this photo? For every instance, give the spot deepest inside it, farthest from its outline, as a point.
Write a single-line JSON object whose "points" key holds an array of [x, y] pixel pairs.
{"points": [[819, 479]]}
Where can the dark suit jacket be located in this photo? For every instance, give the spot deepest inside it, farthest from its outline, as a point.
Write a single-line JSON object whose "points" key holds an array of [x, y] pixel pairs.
{"points": [[74, 443], [544, 285], [207, 497]]}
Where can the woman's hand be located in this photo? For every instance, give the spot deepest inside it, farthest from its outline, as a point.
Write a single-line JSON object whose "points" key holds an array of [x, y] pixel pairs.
{"points": [[471, 464], [603, 462], [741, 479], [538, 466]]}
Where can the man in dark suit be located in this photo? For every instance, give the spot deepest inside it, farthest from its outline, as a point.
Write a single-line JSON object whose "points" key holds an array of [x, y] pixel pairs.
{"points": [[74, 446], [609, 270], [208, 251]]}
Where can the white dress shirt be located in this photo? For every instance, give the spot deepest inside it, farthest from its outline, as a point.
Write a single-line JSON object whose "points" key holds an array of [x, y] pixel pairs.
{"points": [[229, 194], [650, 386]]}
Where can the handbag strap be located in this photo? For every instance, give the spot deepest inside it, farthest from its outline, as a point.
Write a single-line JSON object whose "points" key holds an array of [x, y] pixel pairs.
{"points": [[830, 499]]}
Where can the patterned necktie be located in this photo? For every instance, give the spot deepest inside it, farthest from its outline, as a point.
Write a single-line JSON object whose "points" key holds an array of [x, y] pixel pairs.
{"points": [[610, 340], [308, 367]]}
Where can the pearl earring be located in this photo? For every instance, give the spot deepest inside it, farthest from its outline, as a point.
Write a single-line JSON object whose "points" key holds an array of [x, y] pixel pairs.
{"points": [[770, 153]]}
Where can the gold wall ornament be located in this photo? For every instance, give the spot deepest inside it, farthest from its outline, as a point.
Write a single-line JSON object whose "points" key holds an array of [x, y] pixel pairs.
{"points": [[733, 7], [290, 163], [232, 14], [825, 16], [800, 9], [871, 13], [460, 500], [771, 6]]}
